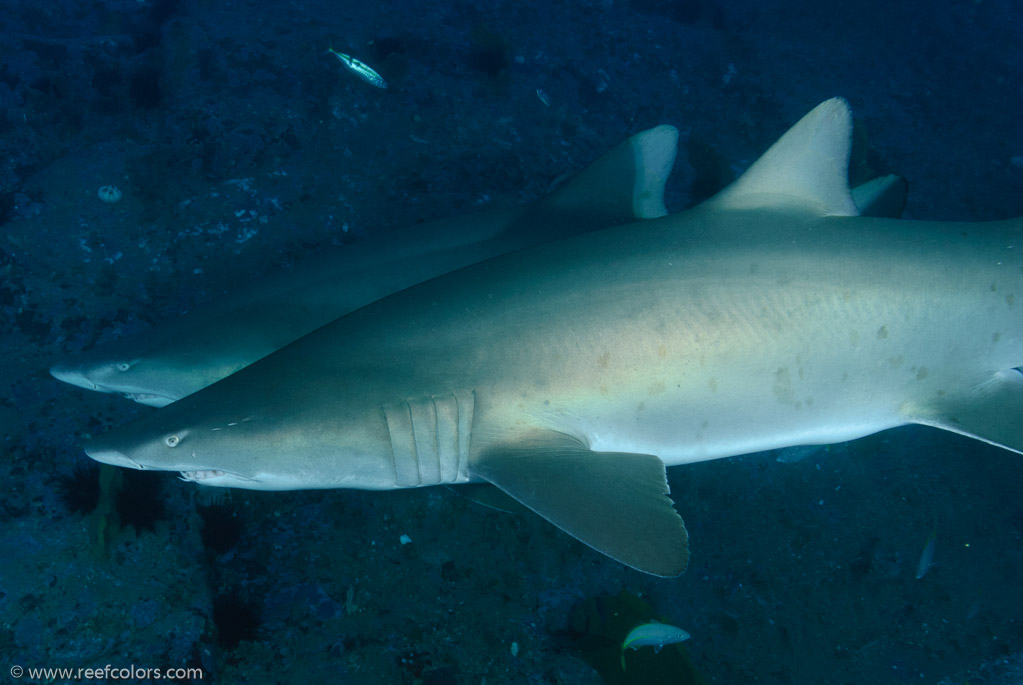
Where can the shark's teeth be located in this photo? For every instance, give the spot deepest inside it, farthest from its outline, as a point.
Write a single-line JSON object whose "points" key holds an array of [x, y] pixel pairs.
{"points": [[148, 399], [200, 475]]}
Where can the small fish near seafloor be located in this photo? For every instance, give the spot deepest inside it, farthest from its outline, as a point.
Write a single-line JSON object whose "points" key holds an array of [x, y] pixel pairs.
{"points": [[570, 374], [653, 634]]}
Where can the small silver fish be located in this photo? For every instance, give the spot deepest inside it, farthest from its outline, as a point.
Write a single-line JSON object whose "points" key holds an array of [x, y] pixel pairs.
{"points": [[360, 69], [927, 555], [654, 635]]}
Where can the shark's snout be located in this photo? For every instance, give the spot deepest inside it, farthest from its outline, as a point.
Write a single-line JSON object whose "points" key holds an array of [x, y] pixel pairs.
{"points": [[104, 452], [109, 378], [74, 376]]}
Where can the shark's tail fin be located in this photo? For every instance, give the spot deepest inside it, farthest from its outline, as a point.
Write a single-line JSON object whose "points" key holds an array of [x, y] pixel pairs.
{"points": [[625, 184]]}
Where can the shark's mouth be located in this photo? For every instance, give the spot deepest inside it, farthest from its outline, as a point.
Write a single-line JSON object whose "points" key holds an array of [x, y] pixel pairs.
{"points": [[217, 477], [199, 476], [146, 398]]}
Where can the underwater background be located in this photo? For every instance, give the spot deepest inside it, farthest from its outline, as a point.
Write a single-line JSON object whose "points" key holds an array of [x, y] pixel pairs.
{"points": [[240, 146]]}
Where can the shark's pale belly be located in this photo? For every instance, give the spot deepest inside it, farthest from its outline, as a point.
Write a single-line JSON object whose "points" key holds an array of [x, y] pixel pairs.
{"points": [[685, 427]]}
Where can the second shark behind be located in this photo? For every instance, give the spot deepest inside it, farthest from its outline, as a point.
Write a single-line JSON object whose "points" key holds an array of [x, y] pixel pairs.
{"points": [[198, 348]]}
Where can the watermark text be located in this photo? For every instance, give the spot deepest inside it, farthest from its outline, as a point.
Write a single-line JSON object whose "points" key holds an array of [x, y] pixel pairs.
{"points": [[108, 672]]}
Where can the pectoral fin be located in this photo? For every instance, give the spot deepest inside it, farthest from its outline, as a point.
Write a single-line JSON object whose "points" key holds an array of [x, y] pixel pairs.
{"points": [[617, 503], [992, 411]]}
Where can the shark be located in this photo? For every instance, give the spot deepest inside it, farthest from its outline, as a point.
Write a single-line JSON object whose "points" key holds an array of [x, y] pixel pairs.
{"points": [[198, 348], [157, 367], [571, 374]]}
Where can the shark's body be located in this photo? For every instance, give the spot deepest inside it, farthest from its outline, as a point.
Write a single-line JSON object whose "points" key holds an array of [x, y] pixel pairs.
{"points": [[198, 348], [767, 317]]}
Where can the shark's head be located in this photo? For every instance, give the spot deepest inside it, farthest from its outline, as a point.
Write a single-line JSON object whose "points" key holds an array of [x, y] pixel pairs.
{"points": [[157, 368], [121, 376], [149, 376], [144, 446], [224, 442]]}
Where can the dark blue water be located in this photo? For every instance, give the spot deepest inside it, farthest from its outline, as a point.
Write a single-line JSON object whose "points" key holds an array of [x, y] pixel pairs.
{"points": [[240, 145]]}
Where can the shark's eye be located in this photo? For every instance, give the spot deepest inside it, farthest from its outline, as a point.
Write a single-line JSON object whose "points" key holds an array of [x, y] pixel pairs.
{"points": [[123, 366], [171, 441]]}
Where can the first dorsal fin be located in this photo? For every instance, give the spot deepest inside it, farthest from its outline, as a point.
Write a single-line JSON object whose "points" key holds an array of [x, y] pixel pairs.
{"points": [[807, 168], [625, 184]]}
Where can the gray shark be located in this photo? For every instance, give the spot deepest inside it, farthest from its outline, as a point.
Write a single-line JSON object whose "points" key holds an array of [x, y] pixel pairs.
{"points": [[194, 350], [572, 373]]}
